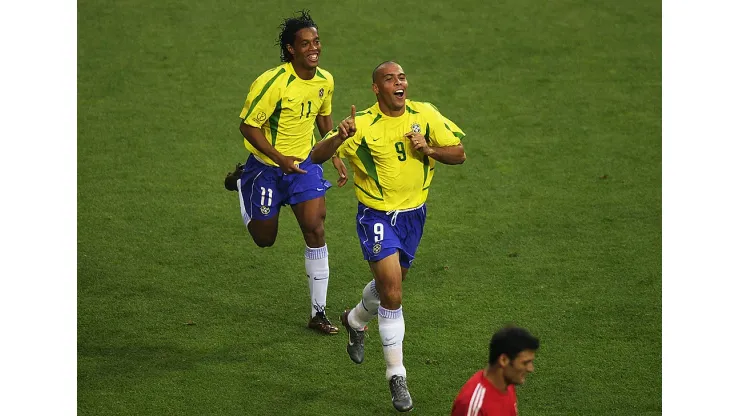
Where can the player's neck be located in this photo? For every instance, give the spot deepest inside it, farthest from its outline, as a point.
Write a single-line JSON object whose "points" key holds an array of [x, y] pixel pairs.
{"points": [[496, 378], [390, 112], [303, 73]]}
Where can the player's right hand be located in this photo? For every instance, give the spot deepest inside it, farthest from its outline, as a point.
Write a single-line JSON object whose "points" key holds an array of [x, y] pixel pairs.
{"points": [[341, 169], [346, 127], [289, 164]]}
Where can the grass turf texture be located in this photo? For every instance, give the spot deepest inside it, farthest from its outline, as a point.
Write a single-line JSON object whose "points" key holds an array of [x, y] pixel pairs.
{"points": [[554, 221]]}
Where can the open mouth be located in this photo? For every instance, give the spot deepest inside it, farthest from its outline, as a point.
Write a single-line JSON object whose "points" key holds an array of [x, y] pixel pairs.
{"points": [[399, 93], [314, 57]]}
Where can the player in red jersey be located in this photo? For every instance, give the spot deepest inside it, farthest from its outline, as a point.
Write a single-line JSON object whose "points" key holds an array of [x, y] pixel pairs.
{"points": [[491, 391]]}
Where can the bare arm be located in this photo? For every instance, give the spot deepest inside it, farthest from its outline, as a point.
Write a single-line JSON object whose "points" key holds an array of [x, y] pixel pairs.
{"points": [[257, 139], [449, 155], [325, 124], [326, 148]]}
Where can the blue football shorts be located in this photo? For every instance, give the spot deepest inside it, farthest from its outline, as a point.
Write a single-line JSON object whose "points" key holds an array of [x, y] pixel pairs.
{"points": [[382, 233], [263, 189]]}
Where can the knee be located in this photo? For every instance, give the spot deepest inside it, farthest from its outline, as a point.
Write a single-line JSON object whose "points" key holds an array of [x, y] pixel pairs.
{"points": [[262, 235], [392, 299], [370, 294], [314, 233], [264, 242]]}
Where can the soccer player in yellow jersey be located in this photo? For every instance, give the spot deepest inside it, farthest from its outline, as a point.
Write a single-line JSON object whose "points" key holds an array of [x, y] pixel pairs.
{"points": [[277, 123], [392, 148]]}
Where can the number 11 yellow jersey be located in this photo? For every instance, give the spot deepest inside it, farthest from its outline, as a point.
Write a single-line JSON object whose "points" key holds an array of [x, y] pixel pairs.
{"points": [[285, 107]]}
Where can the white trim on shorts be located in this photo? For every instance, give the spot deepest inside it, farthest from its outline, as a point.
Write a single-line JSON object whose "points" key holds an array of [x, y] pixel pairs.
{"points": [[364, 211], [246, 217]]}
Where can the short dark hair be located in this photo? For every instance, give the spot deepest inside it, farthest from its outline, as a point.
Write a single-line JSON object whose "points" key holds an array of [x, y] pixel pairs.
{"points": [[511, 340], [289, 28], [375, 71]]}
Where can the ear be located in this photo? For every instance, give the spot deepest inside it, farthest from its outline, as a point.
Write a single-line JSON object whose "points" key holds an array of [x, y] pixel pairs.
{"points": [[503, 360], [376, 90], [290, 49]]}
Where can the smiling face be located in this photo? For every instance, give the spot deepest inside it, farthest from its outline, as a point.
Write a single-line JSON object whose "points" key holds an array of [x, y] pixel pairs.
{"points": [[305, 49], [390, 85], [517, 370]]}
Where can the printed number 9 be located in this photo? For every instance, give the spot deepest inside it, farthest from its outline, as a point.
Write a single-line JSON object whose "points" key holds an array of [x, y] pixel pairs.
{"points": [[401, 150], [378, 229]]}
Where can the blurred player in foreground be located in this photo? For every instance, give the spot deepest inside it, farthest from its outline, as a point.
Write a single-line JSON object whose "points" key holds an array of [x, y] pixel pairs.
{"points": [[491, 391]]}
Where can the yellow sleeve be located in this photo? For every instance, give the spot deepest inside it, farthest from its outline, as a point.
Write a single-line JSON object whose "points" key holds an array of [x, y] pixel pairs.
{"points": [[443, 131], [325, 109], [262, 99]]}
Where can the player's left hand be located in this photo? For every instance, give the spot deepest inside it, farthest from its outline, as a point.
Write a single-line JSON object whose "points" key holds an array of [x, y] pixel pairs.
{"points": [[341, 169], [419, 142]]}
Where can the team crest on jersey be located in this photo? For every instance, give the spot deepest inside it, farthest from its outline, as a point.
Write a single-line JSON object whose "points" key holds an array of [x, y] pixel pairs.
{"points": [[260, 117], [416, 128], [376, 248], [321, 93], [264, 210]]}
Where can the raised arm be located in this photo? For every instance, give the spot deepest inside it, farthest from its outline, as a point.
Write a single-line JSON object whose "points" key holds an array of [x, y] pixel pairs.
{"points": [[325, 124], [326, 148]]}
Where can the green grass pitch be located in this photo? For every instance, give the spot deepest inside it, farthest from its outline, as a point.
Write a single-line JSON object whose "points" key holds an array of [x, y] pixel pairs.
{"points": [[553, 222]]}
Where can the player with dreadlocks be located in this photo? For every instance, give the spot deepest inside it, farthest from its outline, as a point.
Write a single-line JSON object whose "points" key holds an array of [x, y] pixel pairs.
{"points": [[277, 123]]}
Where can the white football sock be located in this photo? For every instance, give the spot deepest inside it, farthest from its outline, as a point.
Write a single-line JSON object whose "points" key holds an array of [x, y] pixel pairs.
{"points": [[367, 309], [317, 270], [392, 328]]}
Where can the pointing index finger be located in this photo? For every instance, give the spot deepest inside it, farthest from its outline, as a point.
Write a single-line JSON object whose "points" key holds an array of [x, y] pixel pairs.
{"points": [[352, 114]]}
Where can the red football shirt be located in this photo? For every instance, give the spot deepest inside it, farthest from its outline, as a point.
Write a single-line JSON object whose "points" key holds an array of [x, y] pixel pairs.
{"points": [[478, 397]]}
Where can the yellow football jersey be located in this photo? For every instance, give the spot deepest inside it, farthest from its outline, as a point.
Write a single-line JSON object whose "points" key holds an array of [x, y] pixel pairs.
{"points": [[285, 107], [388, 173]]}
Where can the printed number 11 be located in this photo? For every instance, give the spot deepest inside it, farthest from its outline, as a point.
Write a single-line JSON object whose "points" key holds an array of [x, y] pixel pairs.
{"points": [[309, 109]]}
